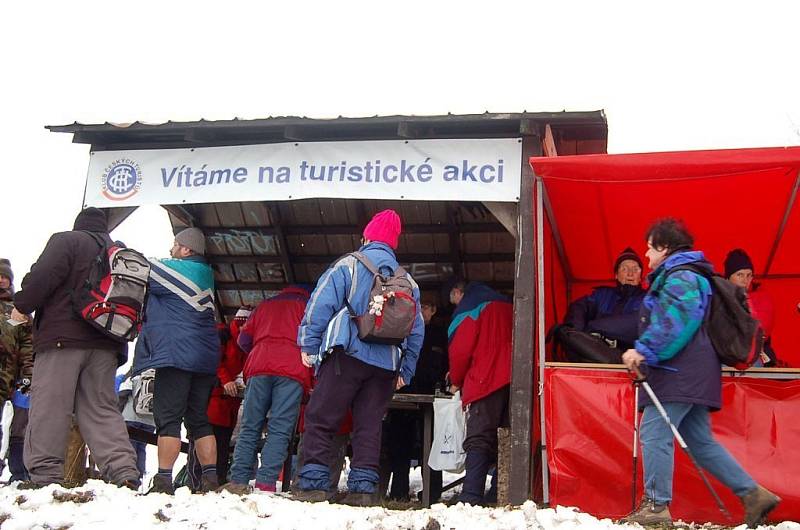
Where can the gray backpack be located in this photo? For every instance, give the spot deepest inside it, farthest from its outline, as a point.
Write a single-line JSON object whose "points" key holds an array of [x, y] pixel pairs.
{"points": [[391, 310]]}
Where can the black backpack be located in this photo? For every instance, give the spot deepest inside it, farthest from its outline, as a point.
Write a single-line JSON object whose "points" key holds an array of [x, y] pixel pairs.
{"points": [[736, 336]]}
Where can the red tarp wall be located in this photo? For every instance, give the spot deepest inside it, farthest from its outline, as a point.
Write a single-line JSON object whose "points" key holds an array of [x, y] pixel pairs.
{"points": [[604, 203], [590, 435]]}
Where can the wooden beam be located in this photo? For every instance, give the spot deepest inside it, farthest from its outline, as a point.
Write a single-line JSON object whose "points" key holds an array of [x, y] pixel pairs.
{"points": [[277, 286], [456, 258], [294, 132], [181, 213], [355, 229], [548, 142], [402, 258], [116, 216], [522, 371], [283, 247]]}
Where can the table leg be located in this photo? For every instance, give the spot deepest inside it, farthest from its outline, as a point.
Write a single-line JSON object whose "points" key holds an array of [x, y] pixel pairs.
{"points": [[427, 440]]}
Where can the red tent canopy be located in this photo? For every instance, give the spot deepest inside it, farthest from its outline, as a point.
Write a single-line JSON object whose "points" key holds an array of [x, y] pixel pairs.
{"points": [[596, 205]]}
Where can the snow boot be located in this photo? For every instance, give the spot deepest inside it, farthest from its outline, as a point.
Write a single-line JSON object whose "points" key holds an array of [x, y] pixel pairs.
{"points": [[649, 513], [161, 484], [757, 504], [311, 495], [477, 466], [361, 499], [209, 482], [236, 489]]}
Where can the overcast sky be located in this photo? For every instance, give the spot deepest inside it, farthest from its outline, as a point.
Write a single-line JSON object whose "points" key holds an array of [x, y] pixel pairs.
{"points": [[680, 75]]}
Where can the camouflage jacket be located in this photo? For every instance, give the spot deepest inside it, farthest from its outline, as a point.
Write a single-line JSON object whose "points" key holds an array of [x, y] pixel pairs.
{"points": [[16, 351]]}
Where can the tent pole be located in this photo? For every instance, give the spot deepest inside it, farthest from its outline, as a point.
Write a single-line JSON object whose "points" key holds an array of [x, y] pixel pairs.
{"points": [[540, 330], [787, 212]]}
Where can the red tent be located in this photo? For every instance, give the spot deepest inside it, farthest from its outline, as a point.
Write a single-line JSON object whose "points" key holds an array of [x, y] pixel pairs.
{"points": [[596, 205]]}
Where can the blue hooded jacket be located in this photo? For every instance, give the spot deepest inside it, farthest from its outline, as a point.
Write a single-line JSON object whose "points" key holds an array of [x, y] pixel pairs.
{"points": [[327, 322], [180, 330]]}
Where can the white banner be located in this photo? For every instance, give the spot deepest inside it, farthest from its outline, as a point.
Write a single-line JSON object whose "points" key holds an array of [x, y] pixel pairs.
{"points": [[465, 170]]}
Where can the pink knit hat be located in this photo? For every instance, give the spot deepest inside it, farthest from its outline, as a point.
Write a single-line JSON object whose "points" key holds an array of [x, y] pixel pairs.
{"points": [[384, 227]]}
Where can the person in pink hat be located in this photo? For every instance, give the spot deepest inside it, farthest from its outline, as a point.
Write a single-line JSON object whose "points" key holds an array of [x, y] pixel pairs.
{"points": [[352, 373]]}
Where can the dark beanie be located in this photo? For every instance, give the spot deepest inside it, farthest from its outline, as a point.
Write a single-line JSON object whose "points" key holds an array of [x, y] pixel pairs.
{"points": [[5, 269], [92, 220], [626, 254], [737, 260]]}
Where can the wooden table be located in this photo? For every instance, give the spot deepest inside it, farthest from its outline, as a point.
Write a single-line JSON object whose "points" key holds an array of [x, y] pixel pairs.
{"points": [[423, 403]]}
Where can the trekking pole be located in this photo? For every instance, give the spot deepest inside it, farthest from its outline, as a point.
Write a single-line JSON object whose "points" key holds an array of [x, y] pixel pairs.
{"points": [[642, 381], [635, 442]]}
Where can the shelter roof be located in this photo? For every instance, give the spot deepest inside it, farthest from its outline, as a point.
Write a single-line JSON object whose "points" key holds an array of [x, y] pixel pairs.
{"points": [[568, 127]]}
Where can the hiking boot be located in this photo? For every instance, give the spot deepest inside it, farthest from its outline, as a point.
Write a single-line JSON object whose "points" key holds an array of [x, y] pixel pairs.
{"points": [[757, 504], [649, 513], [131, 484], [209, 482], [161, 484], [361, 499], [236, 489], [311, 495], [30, 485]]}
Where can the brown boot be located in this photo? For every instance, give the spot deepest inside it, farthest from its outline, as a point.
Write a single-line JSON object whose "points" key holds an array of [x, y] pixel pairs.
{"points": [[757, 504], [209, 482], [649, 513], [162, 484], [236, 489]]}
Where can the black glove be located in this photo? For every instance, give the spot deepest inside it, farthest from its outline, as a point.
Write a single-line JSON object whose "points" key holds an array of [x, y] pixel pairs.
{"points": [[24, 385]]}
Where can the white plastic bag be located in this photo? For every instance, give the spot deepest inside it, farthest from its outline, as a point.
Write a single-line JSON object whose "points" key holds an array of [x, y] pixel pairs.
{"points": [[449, 431]]}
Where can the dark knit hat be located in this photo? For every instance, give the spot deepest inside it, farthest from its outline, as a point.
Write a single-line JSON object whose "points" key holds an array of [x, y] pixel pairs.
{"points": [[627, 254], [737, 260], [92, 220], [5, 269], [192, 238]]}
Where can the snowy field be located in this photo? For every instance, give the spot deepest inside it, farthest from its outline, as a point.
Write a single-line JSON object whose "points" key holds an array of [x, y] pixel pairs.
{"points": [[114, 508], [98, 505]]}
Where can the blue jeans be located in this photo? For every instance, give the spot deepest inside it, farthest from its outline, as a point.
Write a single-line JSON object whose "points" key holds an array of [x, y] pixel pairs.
{"points": [[280, 397], [694, 425]]}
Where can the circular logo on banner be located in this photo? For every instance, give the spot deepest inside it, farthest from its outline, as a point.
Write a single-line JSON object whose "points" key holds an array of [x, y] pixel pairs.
{"points": [[121, 179]]}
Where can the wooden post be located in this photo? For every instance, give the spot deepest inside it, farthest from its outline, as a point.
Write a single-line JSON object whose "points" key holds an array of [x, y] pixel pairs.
{"points": [[503, 464], [522, 368], [75, 458]]}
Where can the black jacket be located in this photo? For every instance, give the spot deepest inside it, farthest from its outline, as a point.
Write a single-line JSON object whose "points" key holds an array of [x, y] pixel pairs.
{"points": [[47, 289]]}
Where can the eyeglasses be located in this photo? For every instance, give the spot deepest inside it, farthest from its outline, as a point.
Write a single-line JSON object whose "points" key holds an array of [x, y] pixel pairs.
{"points": [[634, 269]]}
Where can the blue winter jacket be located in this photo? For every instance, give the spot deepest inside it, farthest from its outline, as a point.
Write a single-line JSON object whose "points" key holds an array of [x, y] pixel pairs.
{"points": [[327, 322], [180, 330], [672, 334]]}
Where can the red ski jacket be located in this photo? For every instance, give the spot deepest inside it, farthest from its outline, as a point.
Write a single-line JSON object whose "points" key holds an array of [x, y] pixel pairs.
{"points": [[272, 332], [480, 350], [222, 409]]}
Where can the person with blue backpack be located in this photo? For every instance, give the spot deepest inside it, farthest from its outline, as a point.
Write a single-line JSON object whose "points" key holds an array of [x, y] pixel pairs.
{"points": [[358, 366]]}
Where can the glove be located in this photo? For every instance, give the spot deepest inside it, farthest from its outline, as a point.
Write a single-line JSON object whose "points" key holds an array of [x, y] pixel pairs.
{"points": [[24, 386]]}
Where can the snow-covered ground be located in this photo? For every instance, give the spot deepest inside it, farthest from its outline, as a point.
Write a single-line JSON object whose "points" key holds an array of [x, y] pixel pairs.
{"points": [[115, 508], [109, 507]]}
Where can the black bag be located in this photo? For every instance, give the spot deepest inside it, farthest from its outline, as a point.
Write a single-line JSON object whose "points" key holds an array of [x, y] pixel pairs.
{"points": [[582, 347], [735, 334]]}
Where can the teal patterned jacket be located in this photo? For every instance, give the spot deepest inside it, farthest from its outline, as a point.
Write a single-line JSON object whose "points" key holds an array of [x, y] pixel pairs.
{"points": [[677, 304]]}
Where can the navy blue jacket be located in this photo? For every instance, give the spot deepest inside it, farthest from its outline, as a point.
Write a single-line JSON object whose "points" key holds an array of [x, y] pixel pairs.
{"points": [[611, 311], [180, 331]]}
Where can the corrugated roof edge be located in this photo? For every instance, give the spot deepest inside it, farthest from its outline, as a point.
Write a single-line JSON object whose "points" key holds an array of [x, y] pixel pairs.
{"points": [[597, 116]]}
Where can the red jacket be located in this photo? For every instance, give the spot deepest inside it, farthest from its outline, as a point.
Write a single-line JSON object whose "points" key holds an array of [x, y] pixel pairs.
{"points": [[272, 332], [480, 351], [222, 409]]}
